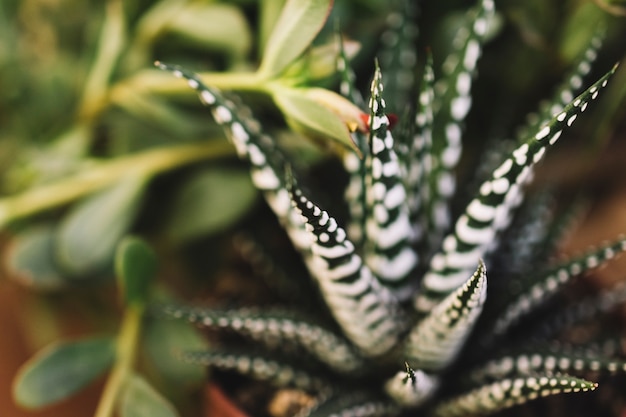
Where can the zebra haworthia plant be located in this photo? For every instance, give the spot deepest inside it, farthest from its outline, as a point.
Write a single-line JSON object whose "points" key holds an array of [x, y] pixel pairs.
{"points": [[414, 324]]}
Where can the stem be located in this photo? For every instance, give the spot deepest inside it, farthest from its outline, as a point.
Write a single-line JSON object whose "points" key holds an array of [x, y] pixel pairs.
{"points": [[110, 45], [126, 349], [99, 175], [163, 83]]}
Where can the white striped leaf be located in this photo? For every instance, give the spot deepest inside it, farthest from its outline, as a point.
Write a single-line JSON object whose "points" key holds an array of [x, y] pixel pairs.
{"points": [[476, 230], [368, 313]]}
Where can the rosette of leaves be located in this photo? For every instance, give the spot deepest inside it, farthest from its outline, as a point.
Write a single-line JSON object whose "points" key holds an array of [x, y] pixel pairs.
{"points": [[408, 322]]}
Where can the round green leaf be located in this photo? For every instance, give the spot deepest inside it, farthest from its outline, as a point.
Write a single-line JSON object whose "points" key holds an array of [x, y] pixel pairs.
{"points": [[298, 24], [30, 260], [87, 237], [163, 338], [209, 202], [218, 25], [139, 399], [61, 369], [135, 267]]}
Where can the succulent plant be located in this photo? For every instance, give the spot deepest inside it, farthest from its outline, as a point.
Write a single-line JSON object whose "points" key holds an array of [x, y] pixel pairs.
{"points": [[419, 312]]}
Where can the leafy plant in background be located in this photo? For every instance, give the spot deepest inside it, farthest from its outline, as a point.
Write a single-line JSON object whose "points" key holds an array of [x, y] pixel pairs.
{"points": [[368, 357], [65, 367]]}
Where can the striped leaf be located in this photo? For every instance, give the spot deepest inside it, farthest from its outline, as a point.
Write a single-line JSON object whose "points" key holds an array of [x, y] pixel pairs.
{"points": [[258, 366], [572, 84], [453, 105], [418, 164], [366, 311], [476, 230], [552, 281], [526, 364], [266, 161], [276, 328], [388, 250], [360, 404], [353, 164], [589, 308], [437, 339], [507, 393], [564, 93], [397, 53]]}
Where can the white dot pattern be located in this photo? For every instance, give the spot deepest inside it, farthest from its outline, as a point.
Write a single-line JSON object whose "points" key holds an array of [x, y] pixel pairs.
{"points": [[498, 197], [437, 339], [553, 281], [388, 252], [509, 392], [454, 92], [368, 313]]}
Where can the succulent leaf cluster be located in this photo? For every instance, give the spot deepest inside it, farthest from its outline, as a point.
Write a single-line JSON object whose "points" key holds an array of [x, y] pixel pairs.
{"points": [[416, 320]]}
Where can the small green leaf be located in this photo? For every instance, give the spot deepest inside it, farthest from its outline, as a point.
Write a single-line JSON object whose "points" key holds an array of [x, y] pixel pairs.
{"points": [[211, 201], [269, 14], [314, 114], [297, 26], [163, 338], [62, 369], [140, 399], [30, 260], [88, 236], [135, 267], [218, 25]]}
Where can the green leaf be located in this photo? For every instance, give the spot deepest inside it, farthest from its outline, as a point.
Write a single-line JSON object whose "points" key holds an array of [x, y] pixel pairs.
{"points": [[305, 113], [297, 26], [320, 62], [163, 338], [30, 260], [62, 369], [269, 14], [211, 201], [135, 267], [140, 399], [88, 236], [217, 25]]}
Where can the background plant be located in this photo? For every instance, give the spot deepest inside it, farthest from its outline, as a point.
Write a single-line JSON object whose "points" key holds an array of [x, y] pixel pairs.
{"points": [[122, 126]]}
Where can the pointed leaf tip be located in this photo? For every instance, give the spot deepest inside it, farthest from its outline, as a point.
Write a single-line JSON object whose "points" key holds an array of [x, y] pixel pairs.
{"points": [[299, 23]]}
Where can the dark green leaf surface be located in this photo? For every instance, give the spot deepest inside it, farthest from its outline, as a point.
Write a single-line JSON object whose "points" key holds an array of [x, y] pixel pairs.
{"points": [[31, 260], [61, 369], [164, 337], [140, 399], [210, 202], [87, 237], [219, 26], [135, 267]]}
